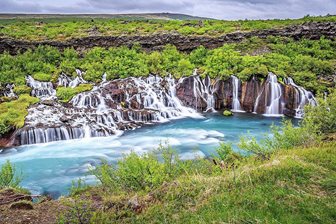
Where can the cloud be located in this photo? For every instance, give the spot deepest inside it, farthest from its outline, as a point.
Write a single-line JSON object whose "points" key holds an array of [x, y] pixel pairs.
{"points": [[221, 9]]}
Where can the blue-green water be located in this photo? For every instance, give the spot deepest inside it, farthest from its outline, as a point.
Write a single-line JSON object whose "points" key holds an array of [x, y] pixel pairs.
{"points": [[51, 167]]}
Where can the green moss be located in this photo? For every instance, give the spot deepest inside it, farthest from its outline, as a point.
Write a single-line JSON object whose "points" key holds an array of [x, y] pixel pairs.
{"points": [[43, 77], [22, 89], [65, 94], [227, 113], [12, 114]]}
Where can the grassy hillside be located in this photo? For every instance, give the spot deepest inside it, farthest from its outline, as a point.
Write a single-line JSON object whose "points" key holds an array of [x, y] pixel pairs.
{"points": [[66, 27]]}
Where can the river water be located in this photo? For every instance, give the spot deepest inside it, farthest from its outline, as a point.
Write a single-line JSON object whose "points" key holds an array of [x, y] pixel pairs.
{"points": [[50, 168]]}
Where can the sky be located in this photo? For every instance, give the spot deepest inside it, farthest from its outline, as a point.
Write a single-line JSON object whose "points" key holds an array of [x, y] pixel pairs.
{"points": [[219, 9]]}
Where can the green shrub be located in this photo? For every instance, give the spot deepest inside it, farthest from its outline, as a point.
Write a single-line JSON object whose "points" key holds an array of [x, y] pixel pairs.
{"points": [[226, 154], [22, 89], [133, 172], [43, 77], [227, 113], [321, 119], [79, 211], [12, 114], [9, 177], [65, 94], [78, 187]]}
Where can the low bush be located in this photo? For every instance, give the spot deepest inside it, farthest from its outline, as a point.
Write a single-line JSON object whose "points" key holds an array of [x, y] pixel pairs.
{"points": [[43, 77], [12, 114], [65, 94], [322, 118], [22, 89], [9, 178], [133, 172]]}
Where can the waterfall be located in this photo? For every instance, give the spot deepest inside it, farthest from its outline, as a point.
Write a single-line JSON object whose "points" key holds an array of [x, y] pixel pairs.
{"points": [[302, 98], [112, 107], [235, 95], [9, 90], [100, 112], [66, 81], [274, 106], [272, 92], [204, 90], [41, 89]]}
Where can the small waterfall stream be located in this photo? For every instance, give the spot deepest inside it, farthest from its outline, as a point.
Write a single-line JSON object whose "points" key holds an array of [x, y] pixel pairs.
{"points": [[235, 95], [302, 98], [274, 106], [272, 94], [203, 90], [66, 81], [40, 89]]}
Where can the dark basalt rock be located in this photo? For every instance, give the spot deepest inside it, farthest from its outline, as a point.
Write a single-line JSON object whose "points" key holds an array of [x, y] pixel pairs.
{"points": [[311, 30], [250, 90], [185, 92]]}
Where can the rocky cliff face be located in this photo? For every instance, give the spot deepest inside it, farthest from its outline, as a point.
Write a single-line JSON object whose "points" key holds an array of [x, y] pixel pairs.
{"points": [[312, 30], [124, 104]]}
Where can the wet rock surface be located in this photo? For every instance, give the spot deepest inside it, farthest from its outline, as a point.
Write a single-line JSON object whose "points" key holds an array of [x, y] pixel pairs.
{"points": [[125, 104]]}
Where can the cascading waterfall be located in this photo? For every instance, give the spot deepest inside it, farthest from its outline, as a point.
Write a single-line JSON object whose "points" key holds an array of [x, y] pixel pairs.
{"points": [[235, 95], [124, 104], [272, 93], [302, 97], [275, 105], [41, 89], [203, 90], [66, 81], [9, 90], [98, 112]]}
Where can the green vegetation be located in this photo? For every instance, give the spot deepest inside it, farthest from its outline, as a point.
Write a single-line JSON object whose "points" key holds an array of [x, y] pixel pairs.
{"points": [[227, 113], [65, 94], [22, 89], [311, 63], [66, 28], [12, 114], [43, 77], [9, 178], [289, 178]]}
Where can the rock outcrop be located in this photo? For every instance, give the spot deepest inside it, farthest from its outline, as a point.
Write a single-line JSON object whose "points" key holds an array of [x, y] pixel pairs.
{"points": [[114, 106], [310, 30]]}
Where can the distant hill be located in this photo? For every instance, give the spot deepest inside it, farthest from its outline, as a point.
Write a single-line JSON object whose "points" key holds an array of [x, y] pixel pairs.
{"points": [[140, 16]]}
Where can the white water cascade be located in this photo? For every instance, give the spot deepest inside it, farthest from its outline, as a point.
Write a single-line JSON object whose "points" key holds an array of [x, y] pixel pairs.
{"points": [[41, 90], [101, 112], [235, 96], [272, 94], [9, 90], [303, 97], [66, 81], [125, 104], [203, 90]]}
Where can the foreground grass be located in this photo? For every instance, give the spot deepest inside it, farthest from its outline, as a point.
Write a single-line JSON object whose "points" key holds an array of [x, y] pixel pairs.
{"points": [[293, 186]]}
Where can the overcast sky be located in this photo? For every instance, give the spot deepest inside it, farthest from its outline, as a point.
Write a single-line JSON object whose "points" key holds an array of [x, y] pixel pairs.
{"points": [[220, 9]]}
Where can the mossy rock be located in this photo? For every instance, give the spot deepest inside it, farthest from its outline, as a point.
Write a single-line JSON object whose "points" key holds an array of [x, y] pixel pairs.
{"points": [[227, 113], [22, 205]]}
